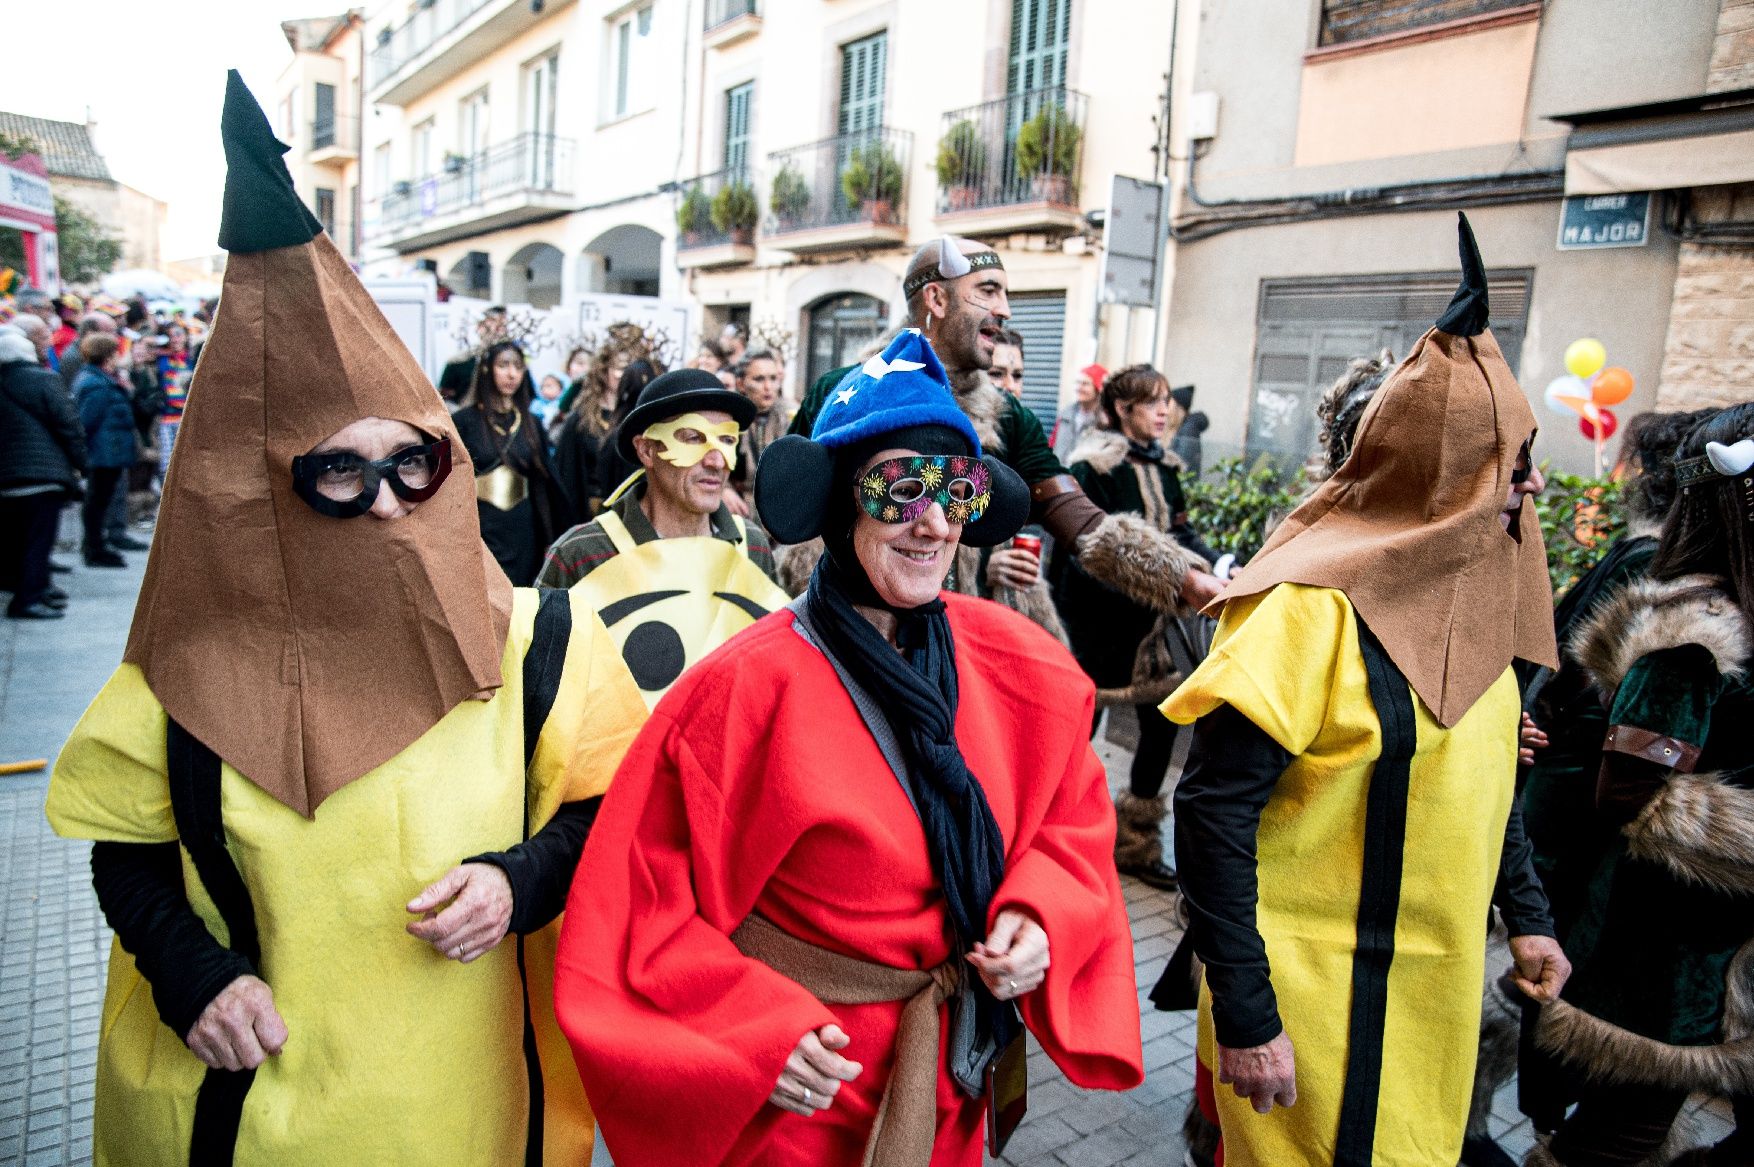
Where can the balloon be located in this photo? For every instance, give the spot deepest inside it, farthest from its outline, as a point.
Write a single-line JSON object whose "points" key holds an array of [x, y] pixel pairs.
{"points": [[1605, 422], [1611, 386], [1563, 391], [1583, 358]]}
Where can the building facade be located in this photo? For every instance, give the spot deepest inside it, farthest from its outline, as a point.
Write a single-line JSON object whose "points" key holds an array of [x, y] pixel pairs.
{"points": [[1329, 148], [78, 173], [318, 102]]}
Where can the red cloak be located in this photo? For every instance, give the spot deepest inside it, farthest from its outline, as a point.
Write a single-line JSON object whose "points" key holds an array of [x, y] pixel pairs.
{"points": [[756, 787]]}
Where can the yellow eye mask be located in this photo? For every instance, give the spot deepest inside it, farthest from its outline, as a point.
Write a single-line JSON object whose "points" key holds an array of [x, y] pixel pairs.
{"points": [[707, 436]]}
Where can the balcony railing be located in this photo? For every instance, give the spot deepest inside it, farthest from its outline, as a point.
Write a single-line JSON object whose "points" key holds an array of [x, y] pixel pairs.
{"points": [[851, 179], [721, 12], [527, 164], [720, 209], [335, 133], [1024, 148], [431, 20]]}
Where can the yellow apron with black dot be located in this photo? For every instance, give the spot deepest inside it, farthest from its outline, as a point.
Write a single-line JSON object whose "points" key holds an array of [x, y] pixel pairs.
{"points": [[670, 602]]}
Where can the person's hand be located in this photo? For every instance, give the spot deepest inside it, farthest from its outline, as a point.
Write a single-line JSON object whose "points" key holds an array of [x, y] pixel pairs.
{"points": [[734, 502], [1013, 960], [1012, 568], [814, 1072], [1200, 588], [1263, 1074], [1529, 739], [480, 911], [240, 1028], [1541, 968]]}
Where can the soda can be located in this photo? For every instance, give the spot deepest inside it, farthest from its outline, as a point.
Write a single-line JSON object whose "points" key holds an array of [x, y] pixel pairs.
{"points": [[1029, 543]]}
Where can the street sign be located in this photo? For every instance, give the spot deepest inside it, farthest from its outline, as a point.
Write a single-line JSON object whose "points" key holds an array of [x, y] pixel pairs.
{"points": [[1129, 242], [1592, 221]]}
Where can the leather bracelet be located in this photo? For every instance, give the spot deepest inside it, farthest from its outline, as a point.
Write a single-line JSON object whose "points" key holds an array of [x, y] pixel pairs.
{"points": [[1652, 747], [1050, 487]]}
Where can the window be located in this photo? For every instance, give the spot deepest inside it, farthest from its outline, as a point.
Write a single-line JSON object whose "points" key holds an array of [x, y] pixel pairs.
{"points": [[863, 64], [541, 87], [1344, 21], [630, 63], [840, 329], [472, 124], [323, 116], [326, 209], [737, 102], [1040, 33], [424, 136]]}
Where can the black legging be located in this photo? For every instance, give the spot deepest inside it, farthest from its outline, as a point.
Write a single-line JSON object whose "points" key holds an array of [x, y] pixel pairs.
{"points": [[100, 488], [1152, 755]]}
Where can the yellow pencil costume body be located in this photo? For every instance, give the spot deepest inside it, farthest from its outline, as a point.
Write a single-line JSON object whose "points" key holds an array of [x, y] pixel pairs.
{"points": [[394, 1054], [1289, 660]]}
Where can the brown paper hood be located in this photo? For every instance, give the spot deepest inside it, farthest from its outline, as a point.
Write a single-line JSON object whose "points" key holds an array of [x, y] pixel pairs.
{"points": [[1409, 527], [306, 650]]}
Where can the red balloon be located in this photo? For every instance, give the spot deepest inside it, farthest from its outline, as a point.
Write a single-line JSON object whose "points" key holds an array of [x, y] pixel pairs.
{"points": [[1605, 421], [1611, 386]]}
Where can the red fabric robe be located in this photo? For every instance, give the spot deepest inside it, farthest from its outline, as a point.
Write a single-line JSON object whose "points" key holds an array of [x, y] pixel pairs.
{"points": [[755, 786]]}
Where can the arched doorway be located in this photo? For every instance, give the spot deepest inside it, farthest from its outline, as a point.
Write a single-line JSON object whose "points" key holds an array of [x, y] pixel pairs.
{"points": [[532, 276], [472, 276], [623, 260], [841, 327]]}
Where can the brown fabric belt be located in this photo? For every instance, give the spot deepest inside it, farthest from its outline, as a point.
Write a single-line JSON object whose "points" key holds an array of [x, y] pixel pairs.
{"points": [[907, 1118]]}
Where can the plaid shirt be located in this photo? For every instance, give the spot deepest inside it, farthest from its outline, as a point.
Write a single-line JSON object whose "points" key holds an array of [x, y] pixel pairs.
{"points": [[587, 547]]}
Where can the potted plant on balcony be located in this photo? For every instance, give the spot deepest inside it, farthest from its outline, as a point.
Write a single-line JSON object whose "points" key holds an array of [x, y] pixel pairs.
{"points": [[962, 164], [402, 189], [454, 162], [871, 180], [1047, 154], [790, 196], [693, 215], [736, 211]]}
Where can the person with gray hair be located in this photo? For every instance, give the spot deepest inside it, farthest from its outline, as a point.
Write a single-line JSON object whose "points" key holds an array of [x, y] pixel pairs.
{"points": [[73, 360]]}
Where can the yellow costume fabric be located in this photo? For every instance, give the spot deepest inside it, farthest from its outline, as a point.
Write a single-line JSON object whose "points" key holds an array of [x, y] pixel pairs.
{"points": [[394, 1054], [670, 602], [1289, 660]]}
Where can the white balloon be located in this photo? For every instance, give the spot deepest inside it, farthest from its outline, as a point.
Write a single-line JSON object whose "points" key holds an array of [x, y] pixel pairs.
{"points": [[1566, 386]]}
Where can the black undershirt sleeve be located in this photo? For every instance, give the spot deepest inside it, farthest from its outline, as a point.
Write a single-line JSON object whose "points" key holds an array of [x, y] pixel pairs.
{"points": [[140, 889], [540, 869], [1232, 771], [1519, 895]]}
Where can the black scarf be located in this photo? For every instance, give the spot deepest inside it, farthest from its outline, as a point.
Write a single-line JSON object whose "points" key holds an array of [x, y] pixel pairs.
{"points": [[916, 690], [1151, 451]]}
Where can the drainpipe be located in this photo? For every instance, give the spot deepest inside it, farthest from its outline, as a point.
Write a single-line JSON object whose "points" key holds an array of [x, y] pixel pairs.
{"points": [[1159, 309]]}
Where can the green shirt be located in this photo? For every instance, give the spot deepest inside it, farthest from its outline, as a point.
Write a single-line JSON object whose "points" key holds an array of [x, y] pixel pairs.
{"points": [[1026, 446]]}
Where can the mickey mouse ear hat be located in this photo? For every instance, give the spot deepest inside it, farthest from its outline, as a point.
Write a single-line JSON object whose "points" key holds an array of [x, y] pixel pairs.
{"points": [[899, 398]]}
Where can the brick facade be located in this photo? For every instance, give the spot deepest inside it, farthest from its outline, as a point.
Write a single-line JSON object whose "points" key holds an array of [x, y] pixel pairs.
{"points": [[1732, 51]]}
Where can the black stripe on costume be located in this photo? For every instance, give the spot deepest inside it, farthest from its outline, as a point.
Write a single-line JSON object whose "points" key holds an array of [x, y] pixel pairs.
{"points": [[1379, 901], [194, 774]]}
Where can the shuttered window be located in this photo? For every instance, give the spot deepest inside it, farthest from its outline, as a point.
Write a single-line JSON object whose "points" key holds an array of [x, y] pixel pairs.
{"points": [[1040, 33], [737, 103], [1311, 330], [863, 64], [1344, 21], [1040, 318]]}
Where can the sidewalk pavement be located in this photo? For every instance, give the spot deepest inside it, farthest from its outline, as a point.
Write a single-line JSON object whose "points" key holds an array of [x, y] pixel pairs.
{"points": [[53, 943]]}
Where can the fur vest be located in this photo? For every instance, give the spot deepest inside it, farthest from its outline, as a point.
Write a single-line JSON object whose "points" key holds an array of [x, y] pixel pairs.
{"points": [[1697, 831]]}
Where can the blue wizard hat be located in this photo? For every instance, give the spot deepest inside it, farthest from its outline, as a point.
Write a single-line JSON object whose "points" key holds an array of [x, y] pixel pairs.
{"points": [[902, 387], [804, 489]]}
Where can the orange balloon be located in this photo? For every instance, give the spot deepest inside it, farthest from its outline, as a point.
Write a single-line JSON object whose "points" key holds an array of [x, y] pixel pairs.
{"points": [[1611, 386]]}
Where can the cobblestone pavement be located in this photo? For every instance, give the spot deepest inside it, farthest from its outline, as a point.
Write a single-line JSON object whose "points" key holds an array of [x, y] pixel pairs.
{"points": [[53, 942]]}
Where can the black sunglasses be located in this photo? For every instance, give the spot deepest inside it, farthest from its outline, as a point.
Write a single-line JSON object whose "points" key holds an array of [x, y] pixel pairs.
{"points": [[343, 485]]}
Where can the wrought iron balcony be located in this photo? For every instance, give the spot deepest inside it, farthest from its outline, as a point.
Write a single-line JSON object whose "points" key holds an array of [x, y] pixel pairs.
{"points": [[334, 139], [716, 218], [441, 38], [426, 25], [847, 191], [1013, 164], [722, 12], [518, 181]]}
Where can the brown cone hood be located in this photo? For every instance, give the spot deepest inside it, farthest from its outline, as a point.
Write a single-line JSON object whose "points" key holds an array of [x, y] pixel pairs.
{"points": [[1409, 527], [306, 650]]}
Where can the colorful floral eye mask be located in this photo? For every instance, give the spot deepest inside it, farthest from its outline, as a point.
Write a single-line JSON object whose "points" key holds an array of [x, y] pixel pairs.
{"points": [[678, 451], [899, 490]]}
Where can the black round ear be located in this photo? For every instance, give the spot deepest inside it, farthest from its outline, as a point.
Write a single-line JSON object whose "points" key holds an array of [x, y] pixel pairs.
{"points": [[792, 488], [1004, 516]]}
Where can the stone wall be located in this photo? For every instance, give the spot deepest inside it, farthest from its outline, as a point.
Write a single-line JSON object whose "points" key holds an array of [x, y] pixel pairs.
{"points": [[1709, 356], [1732, 52]]}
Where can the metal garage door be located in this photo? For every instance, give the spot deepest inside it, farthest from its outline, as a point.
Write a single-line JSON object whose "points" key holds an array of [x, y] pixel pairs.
{"points": [[1311, 329], [1040, 318]]}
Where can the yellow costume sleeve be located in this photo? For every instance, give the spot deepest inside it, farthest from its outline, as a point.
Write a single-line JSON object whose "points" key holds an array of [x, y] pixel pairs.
{"points": [[109, 781], [1273, 661], [597, 711]]}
